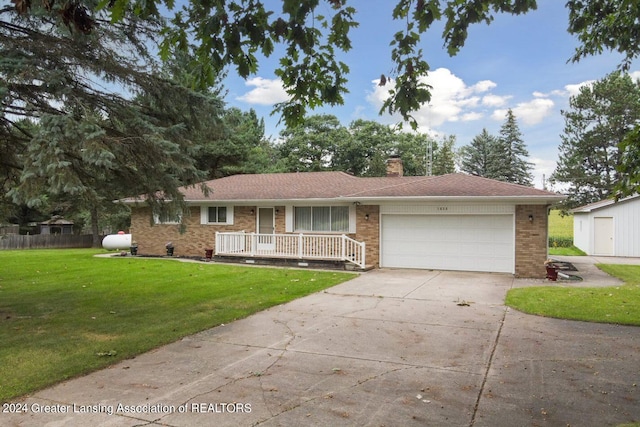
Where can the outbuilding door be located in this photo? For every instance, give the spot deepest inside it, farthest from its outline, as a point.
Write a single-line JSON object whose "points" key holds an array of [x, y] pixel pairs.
{"points": [[448, 242], [603, 236]]}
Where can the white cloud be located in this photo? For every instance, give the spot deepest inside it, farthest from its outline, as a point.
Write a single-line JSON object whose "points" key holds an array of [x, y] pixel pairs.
{"points": [[573, 90], [266, 92], [473, 116], [483, 86], [494, 100], [542, 170], [530, 113], [452, 100]]}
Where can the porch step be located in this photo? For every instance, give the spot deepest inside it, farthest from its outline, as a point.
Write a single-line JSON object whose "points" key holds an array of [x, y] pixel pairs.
{"points": [[352, 267]]}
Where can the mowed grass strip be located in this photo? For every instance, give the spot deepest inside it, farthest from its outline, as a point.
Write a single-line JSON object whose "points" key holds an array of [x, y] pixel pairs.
{"points": [[618, 304], [572, 251], [64, 313]]}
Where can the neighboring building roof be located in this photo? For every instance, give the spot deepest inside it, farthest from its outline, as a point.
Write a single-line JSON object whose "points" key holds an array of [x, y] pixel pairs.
{"points": [[340, 186], [601, 204], [57, 220]]}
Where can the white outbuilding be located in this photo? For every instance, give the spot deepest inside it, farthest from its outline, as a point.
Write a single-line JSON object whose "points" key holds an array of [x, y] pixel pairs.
{"points": [[608, 228]]}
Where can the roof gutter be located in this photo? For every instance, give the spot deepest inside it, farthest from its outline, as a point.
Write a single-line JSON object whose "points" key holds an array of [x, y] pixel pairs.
{"points": [[521, 200]]}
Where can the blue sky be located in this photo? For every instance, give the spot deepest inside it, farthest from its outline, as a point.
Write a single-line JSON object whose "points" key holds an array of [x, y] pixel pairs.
{"points": [[517, 62]]}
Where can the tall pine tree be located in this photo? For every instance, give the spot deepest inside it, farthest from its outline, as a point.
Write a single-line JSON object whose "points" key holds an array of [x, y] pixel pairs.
{"points": [[477, 158], [444, 157], [108, 125], [510, 154]]}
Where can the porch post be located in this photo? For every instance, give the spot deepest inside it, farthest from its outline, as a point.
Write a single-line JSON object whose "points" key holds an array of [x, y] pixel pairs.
{"points": [[254, 243], [300, 242]]}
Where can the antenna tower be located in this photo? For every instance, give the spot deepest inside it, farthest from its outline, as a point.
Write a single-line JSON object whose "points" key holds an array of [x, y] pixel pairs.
{"points": [[429, 168]]}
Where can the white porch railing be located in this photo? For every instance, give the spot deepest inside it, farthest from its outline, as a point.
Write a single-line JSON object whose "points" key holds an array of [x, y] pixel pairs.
{"points": [[301, 246]]}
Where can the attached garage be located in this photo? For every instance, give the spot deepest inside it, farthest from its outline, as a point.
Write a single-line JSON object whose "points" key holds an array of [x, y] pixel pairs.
{"points": [[451, 241]]}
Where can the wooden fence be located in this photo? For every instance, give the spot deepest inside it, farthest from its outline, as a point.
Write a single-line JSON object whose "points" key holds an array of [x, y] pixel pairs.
{"points": [[45, 241]]}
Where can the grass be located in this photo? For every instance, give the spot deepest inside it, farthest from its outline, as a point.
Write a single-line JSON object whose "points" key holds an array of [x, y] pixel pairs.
{"points": [[619, 304], [560, 227], [561, 235], [64, 313], [572, 251]]}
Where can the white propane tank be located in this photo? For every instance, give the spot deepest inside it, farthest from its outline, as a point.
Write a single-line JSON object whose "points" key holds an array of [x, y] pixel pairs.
{"points": [[118, 241]]}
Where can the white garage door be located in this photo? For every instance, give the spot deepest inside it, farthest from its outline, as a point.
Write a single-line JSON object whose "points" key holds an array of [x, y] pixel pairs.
{"points": [[451, 242]]}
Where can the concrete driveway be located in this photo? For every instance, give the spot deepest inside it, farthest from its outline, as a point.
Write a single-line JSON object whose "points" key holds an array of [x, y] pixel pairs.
{"points": [[389, 348]]}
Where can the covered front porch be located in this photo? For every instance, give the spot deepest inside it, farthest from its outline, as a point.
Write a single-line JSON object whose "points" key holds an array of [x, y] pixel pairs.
{"points": [[291, 246]]}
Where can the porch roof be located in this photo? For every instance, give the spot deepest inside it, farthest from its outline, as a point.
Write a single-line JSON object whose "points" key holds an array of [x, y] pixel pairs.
{"points": [[340, 186]]}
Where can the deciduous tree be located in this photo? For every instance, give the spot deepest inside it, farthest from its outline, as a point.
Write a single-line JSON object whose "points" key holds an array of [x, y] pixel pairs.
{"points": [[412, 149], [312, 145], [310, 32], [629, 165], [599, 135], [367, 149]]}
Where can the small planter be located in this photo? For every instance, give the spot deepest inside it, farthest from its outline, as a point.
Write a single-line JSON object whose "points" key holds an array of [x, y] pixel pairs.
{"points": [[552, 272], [134, 250], [169, 247], [208, 254]]}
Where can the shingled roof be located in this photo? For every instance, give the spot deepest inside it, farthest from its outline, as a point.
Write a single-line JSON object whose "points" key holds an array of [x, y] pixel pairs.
{"points": [[339, 186]]}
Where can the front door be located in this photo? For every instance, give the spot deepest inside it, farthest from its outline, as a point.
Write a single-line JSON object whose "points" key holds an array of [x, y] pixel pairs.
{"points": [[266, 229]]}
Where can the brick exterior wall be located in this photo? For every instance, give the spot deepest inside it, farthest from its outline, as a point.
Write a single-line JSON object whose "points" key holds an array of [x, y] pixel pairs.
{"points": [[531, 240], [369, 231], [151, 239], [280, 220]]}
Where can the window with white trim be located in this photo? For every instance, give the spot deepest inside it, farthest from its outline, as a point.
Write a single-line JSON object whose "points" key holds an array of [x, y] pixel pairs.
{"points": [[217, 215], [321, 218]]}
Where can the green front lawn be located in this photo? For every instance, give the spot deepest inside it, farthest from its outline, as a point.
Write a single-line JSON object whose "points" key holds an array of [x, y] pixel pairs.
{"points": [[64, 313], [619, 304]]}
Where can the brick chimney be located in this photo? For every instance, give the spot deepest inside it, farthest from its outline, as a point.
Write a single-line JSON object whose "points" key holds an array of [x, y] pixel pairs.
{"points": [[394, 166]]}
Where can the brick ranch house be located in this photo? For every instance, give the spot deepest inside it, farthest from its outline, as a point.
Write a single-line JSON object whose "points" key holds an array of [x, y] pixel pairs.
{"points": [[448, 222]]}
